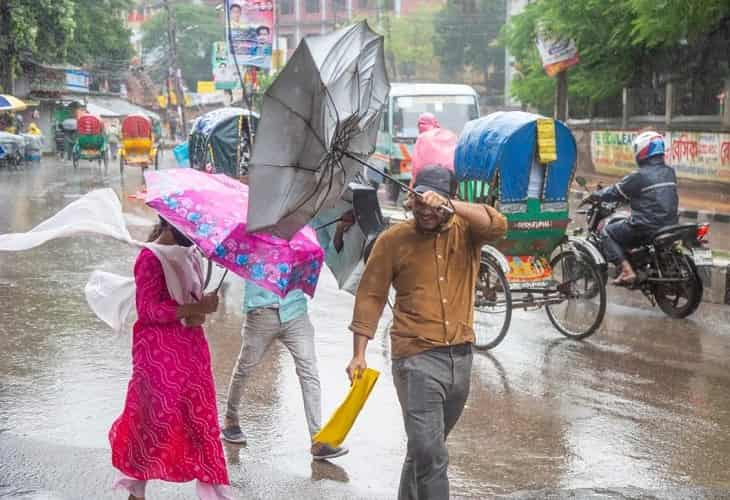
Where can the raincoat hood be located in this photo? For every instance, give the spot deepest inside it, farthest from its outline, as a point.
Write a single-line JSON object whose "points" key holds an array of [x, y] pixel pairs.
{"points": [[427, 122]]}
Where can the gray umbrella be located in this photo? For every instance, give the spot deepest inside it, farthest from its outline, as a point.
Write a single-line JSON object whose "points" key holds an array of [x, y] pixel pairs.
{"points": [[320, 116]]}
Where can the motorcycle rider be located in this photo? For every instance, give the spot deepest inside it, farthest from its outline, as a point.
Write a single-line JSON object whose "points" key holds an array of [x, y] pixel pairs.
{"points": [[651, 191]]}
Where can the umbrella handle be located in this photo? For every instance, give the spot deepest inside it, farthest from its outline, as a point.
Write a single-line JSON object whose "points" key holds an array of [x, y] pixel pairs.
{"points": [[217, 289], [402, 185], [328, 224], [208, 274]]}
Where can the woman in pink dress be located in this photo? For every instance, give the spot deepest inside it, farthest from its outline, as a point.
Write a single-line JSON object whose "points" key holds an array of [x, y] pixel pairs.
{"points": [[169, 427]]}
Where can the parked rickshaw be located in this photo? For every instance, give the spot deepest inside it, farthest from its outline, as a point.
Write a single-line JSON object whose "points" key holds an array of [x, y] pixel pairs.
{"points": [[91, 141], [219, 141], [524, 164], [138, 146], [12, 150]]}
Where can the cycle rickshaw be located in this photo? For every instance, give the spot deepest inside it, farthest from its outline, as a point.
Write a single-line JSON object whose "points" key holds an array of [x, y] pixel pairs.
{"points": [[219, 141], [91, 141], [524, 164], [138, 144]]}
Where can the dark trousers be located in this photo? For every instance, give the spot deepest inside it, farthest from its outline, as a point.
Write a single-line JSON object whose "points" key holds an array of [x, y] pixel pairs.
{"points": [[620, 236], [432, 388]]}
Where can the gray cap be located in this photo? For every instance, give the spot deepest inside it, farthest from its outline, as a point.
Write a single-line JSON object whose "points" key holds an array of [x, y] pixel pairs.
{"points": [[436, 178]]}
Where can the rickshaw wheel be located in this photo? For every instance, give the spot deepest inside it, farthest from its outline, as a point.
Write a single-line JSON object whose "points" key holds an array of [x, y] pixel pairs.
{"points": [[580, 288], [492, 305]]}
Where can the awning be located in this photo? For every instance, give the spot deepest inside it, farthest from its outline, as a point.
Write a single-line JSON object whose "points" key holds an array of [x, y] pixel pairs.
{"points": [[100, 111], [120, 107]]}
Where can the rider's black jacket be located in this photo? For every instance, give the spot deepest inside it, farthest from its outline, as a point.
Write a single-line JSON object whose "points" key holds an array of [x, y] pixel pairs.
{"points": [[652, 193]]}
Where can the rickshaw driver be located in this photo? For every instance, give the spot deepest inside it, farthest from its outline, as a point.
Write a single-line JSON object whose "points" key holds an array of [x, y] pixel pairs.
{"points": [[652, 193]]}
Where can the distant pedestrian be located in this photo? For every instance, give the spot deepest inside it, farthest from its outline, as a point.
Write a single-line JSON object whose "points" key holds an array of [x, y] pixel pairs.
{"points": [[432, 262], [169, 427]]}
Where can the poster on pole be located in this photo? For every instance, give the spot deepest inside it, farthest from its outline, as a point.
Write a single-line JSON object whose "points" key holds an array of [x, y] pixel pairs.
{"points": [[557, 55], [251, 31], [224, 71]]}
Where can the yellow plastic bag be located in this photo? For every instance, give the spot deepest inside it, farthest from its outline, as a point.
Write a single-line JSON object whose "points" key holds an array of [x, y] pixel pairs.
{"points": [[342, 420], [547, 149]]}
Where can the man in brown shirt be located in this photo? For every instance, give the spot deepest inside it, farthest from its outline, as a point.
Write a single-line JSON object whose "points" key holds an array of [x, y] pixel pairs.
{"points": [[432, 263]]}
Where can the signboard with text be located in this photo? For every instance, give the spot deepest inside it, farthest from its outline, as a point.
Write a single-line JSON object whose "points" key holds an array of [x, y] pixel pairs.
{"points": [[703, 156]]}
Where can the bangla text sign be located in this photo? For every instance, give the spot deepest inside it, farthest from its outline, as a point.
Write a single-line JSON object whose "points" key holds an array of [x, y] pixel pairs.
{"points": [[703, 156]]}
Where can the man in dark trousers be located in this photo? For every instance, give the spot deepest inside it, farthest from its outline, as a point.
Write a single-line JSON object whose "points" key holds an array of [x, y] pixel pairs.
{"points": [[432, 262]]}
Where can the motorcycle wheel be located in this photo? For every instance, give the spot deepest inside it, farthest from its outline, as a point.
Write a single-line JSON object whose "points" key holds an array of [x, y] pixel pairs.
{"points": [[682, 299]]}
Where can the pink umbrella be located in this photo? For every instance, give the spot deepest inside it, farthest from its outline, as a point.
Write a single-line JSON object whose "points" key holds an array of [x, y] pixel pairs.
{"points": [[211, 210], [434, 147]]}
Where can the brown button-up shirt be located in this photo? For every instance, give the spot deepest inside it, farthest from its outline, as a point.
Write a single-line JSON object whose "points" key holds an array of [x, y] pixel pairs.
{"points": [[434, 276]]}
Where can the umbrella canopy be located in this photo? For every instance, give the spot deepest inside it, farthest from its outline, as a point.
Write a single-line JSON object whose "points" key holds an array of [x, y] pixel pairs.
{"points": [[10, 103], [347, 263], [211, 211], [325, 102]]}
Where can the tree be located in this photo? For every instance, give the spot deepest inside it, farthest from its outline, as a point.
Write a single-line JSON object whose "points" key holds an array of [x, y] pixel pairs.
{"points": [[42, 29], [100, 37], [198, 27], [467, 32], [621, 42], [407, 47]]}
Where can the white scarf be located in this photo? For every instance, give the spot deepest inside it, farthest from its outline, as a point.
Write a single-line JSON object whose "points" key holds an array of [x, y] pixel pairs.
{"points": [[111, 296]]}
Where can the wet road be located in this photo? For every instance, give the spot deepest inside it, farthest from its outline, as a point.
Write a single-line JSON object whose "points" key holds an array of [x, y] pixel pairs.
{"points": [[641, 410]]}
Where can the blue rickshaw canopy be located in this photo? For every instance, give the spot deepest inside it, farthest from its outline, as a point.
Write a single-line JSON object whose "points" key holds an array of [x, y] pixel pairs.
{"points": [[506, 142]]}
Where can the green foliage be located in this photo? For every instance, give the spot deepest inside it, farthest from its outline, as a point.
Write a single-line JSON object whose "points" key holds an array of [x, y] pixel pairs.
{"points": [[616, 40], [466, 35], [198, 27], [100, 37], [407, 46]]}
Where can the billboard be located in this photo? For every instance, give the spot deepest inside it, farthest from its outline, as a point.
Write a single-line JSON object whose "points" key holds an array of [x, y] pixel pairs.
{"points": [[224, 71], [250, 36], [700, 156]]}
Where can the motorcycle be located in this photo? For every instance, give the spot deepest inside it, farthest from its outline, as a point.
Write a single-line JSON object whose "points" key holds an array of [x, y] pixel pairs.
{"points": [[666, 265]]}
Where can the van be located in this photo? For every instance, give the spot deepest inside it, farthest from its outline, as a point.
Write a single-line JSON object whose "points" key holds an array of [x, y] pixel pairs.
{"points": [[453, 105]]}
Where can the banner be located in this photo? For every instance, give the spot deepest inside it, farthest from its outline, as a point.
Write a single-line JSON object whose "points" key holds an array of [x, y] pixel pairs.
{"points": [[557, 55], [77, 80], [701, 156], [225, 75], [251, 25]]}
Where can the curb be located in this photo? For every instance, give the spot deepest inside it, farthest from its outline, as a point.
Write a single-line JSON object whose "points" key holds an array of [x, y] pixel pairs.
{"points": [[687, 213]]}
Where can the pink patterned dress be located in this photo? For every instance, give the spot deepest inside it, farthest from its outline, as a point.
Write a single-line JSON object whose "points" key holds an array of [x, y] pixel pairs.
{"points": [[169, 427]]}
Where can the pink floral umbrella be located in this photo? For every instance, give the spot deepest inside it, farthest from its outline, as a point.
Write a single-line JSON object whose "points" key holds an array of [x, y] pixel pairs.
{"points": [[211, 210]]}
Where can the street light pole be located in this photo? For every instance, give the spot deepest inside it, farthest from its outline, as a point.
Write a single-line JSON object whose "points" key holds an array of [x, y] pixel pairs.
{"points": [[175, 67]]}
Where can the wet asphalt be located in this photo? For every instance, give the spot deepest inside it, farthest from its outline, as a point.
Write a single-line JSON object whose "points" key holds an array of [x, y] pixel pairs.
{"points": [[641, 410]]}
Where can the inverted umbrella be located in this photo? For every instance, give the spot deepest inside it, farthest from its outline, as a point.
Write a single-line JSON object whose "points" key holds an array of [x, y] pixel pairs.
{"points": [[211, 211], [10, 103], [320, 120]]}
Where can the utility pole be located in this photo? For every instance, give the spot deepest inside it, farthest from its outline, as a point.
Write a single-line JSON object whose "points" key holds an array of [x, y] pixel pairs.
{"points": [[561, 96], [174, 70]]}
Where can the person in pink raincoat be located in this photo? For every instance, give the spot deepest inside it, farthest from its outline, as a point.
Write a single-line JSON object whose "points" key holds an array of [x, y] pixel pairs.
{"points": [[434, 146]]}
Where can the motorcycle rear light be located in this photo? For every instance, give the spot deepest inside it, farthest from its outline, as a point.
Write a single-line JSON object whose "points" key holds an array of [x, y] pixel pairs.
{"points": [[703, 231]]}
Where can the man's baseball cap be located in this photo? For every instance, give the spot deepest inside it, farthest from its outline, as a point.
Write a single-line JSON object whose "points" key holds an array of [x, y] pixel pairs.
{"points": [[436, 178]]}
